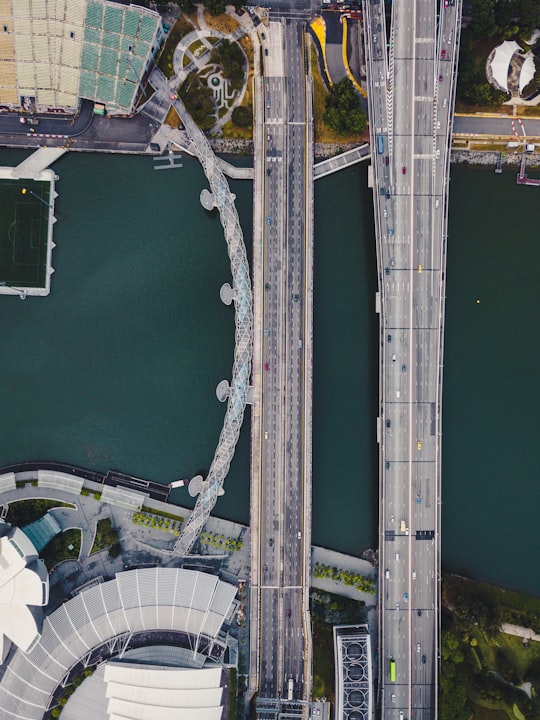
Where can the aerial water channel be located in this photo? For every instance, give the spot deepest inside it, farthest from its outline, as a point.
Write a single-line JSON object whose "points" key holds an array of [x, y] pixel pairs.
{"points": [[118, 367]]}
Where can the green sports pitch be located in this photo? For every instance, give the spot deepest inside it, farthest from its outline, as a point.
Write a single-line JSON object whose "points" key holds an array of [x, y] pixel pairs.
{"points": [[24, 225]]}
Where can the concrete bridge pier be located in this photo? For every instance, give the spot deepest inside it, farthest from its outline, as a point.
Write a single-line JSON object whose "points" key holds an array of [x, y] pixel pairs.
{"points": [[208, 200], [226, 294]]}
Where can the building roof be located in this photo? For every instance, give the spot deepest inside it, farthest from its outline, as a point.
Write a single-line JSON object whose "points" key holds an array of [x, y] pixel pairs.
{"points": [[137, 601], [24, 585], [500, 62], [57, 52]]}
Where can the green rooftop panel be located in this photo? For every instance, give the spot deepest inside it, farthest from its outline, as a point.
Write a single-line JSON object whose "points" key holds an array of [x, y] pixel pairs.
{"points": [[90, 56], [92, 35], [87, 84], [108, 63], [140, 48], [148, 28], [113, 19], [136, 68], [131, 23], [105, 89], [94, 15], [111, 40], [124, 94]]}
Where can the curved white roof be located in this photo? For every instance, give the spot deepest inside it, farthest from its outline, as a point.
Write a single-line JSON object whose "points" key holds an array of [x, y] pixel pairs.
{"points": [[144, 692], [23, 582], [172, 599], [501, 62], [526, 74]]}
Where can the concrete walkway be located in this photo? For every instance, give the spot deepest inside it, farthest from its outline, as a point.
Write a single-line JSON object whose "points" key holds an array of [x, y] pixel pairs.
{"points": [[40, 160]]}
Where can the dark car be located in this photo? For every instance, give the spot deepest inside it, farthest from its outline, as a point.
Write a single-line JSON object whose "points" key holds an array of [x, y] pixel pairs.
{"points": [[271, 542], [388, 423], [387, 271], [443, 53], [424, 659], [267, 286], [296, 297], [404, 170], [266, 366], [440, 78]]}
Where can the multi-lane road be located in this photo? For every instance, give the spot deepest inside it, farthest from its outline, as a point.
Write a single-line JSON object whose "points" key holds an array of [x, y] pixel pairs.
{"points": [[281, 468], [411, 74]]}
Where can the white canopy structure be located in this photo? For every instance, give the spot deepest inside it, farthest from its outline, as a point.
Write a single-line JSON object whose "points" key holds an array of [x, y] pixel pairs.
{"points": [[145, 692], [501, 62], [24, 582], [526, 74]]}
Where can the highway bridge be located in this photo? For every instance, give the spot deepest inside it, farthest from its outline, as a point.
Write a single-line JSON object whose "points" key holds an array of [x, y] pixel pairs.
{"points": [[280, 638], [411, 70]]}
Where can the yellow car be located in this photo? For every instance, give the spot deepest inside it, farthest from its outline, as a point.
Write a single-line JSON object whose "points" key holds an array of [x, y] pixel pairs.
{"points": [[419, 445], [420, 268]]}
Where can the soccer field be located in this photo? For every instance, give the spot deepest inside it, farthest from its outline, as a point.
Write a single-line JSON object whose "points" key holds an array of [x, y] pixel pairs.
{"points": [[24, 222]]}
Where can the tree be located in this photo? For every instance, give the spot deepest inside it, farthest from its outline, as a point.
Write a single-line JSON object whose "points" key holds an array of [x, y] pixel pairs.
{"points": [[199, 101], [231, 58], [343, 110]]}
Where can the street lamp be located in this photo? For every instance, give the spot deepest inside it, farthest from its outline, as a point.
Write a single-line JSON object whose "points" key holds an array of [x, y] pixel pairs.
{"points": [[21, 291], [25, 190]]}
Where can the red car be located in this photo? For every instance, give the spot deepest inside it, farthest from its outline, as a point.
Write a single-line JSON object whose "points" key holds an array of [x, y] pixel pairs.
{"points": [[440, 78], [266, 366], [443, 54], [404, 170]]}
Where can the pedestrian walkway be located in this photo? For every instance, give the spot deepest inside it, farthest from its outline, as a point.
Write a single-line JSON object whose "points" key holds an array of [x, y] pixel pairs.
{"points": [[38, 161]]}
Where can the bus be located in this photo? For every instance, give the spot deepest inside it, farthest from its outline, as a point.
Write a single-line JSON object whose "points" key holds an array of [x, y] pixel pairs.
{"points": [[392, 670], [380, 144]]}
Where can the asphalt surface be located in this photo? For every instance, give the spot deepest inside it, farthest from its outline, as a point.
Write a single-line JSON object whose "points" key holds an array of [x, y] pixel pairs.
{"points": [[410, 101], [282, 535], [85, 131]]}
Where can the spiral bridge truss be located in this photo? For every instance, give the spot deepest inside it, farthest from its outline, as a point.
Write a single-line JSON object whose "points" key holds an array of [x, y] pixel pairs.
{"points": [[241, 371]]}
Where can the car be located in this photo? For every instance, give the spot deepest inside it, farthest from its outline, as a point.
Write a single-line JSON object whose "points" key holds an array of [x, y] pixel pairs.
{"points": [[387, 160], [390, 231], [392, 518], [265, 568], [268, 220], [420, 268], [443, 53], [289, 613], [403, 368], [266, 51], [393, 697], [263, 36], [404, 170], [266, 332], [419, 445], [389, 338], [269, 171], [266, 366], [405, 597], [440, 78], [414, 574], [393, 357], [387, 464], [385, 213], [267, 286], [401, 715], [417, 647], [424, 659], [387, 271], [419, 613], [296, 297], [271, 542], [388, 423], [418, 499]]}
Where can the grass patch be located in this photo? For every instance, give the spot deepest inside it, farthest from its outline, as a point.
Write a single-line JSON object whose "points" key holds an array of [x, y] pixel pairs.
{"points": [[162, 513], [224, 23], [173, 119], [23, 512], [197, 48], [324, 134], [59, 548], [180, 29]]}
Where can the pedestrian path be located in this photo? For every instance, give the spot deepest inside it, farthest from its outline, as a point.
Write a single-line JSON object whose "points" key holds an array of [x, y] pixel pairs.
{"points": [[38, 161]]}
